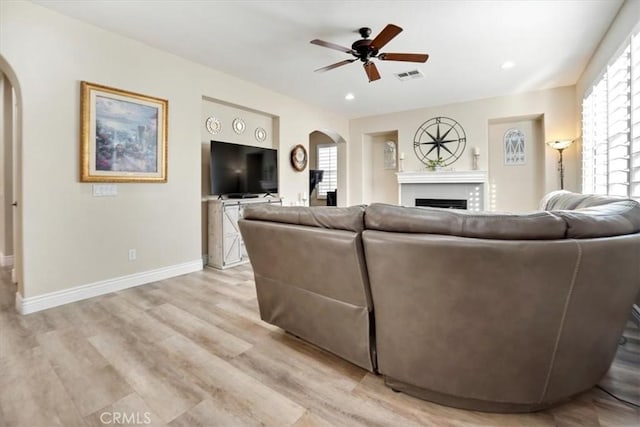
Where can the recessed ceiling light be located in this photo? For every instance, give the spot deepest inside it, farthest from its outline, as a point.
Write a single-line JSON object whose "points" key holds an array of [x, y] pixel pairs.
{"points": [[507, 64], [349, 96]]}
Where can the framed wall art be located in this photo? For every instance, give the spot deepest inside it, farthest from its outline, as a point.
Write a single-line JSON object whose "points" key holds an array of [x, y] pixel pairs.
{"points": [[123, 136], [514, 153], [389, 155]]}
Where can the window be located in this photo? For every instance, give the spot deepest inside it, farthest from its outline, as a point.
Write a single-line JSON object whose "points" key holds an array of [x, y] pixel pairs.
{"points": [[328, 162], [611, 128]]}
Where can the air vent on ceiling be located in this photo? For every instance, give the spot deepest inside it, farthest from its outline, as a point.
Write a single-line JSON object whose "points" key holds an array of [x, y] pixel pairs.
{"points": [[409, 75]]}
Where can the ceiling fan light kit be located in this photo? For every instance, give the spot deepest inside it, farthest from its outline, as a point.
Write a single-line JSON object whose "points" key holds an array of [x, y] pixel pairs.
{"points": [[366, 49]]}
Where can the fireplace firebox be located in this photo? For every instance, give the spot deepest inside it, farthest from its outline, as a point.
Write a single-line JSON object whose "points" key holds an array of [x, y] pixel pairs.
{"points": [[442, 203]]}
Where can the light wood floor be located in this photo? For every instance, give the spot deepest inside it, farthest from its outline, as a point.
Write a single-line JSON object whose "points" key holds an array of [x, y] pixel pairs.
{"points": [[192, 351]]}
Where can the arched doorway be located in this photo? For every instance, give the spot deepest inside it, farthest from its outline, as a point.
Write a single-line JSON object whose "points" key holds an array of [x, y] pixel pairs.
{"points": [[327, 152], [11, 146]]}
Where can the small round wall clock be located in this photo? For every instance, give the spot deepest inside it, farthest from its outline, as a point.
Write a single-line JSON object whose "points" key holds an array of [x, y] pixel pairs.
{"points": [[238, 126], [439, 138], [299, 158], [213, 125]]}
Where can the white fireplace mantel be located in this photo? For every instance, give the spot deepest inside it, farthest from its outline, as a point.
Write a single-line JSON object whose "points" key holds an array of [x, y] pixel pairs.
{"points": [[464, 185], [443, 177]]}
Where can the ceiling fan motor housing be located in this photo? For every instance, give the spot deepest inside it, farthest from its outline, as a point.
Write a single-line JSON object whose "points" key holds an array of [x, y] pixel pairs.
{"points": [[363, 50]]}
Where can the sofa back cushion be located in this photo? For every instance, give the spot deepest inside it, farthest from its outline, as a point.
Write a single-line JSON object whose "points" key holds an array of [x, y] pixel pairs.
{"points": [[350, 219], [531, 226], [566, 200], [604, 220], [592, 215]]}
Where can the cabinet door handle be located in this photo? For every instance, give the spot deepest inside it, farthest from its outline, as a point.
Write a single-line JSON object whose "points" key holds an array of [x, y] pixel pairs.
{"points": [[15, 204]]}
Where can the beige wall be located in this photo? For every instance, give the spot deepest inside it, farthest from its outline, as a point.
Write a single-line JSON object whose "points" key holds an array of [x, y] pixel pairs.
{"points": [[556, 106], [71, 238]]}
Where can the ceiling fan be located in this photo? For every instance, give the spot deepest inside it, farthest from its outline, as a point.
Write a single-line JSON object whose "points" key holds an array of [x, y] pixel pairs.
{"points": [[366, 49]]}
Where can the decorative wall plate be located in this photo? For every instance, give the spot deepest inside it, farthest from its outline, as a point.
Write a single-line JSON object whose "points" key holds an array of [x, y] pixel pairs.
{"points": [[261, 134], [213, 125], [439, 138], [238, 126], [299, 157]]}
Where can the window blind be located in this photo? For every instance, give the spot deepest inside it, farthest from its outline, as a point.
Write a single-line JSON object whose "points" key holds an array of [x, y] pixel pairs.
{"points": [[328, 162], [634, 121], [611, 127], [618, 142]]}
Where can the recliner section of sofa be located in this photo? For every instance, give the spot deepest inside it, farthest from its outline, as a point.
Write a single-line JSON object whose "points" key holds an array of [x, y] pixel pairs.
{"points": [[501, 318], [494, 312], [311, 276]]}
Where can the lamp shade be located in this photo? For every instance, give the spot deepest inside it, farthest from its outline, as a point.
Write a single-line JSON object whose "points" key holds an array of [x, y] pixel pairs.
{"points": [[560, 145]]}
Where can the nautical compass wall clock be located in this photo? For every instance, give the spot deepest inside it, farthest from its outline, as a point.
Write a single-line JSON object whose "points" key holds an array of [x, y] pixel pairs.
{"points": [[439, 138]]}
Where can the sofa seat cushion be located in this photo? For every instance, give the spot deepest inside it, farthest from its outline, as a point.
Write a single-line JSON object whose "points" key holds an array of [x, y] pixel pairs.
{"points": [[350, 219], [530, 226]]}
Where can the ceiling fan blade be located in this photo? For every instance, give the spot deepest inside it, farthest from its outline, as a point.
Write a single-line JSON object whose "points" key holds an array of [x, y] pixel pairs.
{"points": [[331, 46], [336, 65], [385, 36], [372, 71], [408, 57]]}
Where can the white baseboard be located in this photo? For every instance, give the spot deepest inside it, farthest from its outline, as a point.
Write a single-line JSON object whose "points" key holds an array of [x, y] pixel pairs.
{"points": [[66, 296], [6, 260], [19, 303]]}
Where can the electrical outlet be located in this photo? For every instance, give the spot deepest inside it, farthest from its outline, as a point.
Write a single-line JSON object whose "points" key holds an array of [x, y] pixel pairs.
{"points": [[132, 254]]}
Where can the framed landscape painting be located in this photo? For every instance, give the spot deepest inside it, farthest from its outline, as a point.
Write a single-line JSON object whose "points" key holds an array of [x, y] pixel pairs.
{"points": [[123, 136]]}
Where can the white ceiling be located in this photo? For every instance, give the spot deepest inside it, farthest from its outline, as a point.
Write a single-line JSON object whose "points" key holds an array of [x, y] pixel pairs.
{"points": [[267, 42]]}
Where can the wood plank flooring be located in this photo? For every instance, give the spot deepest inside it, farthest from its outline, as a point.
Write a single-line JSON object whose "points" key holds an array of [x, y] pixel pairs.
{"points": [[192, 351]]}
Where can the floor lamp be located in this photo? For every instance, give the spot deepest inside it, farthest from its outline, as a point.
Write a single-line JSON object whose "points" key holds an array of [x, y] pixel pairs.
{"points": [[560, 146]]}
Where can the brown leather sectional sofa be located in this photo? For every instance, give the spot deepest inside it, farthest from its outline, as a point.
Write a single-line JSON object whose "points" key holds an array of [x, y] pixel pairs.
{"points": [[494, 312]]}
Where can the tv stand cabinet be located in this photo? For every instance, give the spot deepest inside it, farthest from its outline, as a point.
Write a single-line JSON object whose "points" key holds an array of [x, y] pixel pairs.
{"points": [[226, 247]]}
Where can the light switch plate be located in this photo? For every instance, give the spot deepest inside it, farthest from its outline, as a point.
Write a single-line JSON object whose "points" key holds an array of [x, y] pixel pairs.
{"points": [[105, 190]]}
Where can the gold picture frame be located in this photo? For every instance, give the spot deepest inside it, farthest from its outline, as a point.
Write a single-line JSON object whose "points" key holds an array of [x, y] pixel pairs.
{"points": [[123, 135]]}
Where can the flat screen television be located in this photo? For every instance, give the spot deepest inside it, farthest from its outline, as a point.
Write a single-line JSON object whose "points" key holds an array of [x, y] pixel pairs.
{"points": [[242, 170]]}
